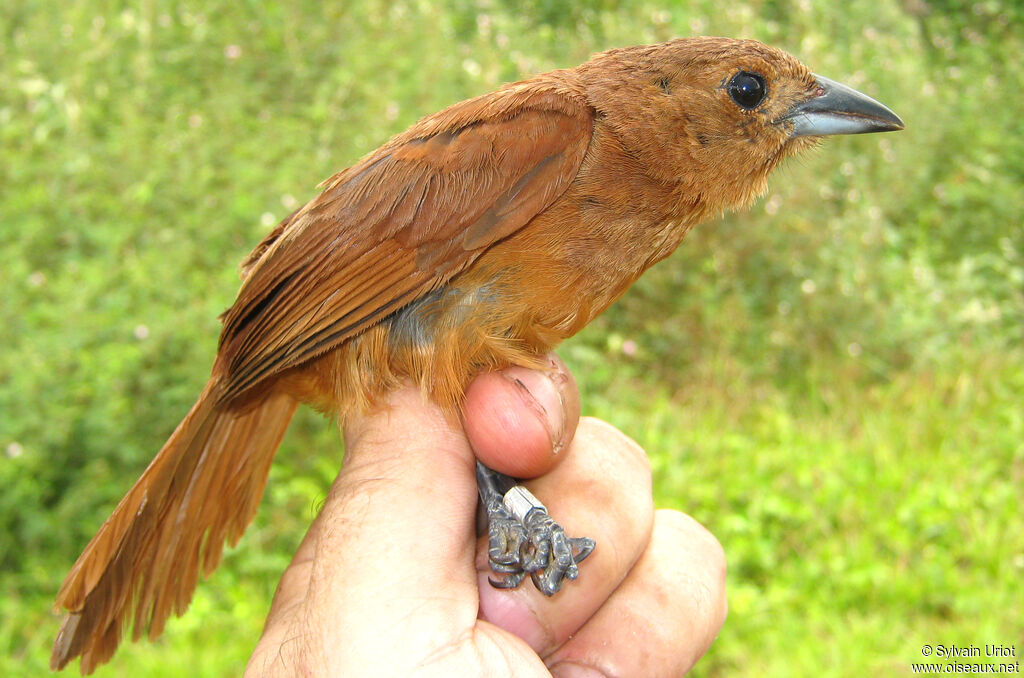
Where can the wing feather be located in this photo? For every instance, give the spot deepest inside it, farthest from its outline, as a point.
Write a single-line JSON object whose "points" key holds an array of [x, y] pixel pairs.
{"points": [[401, 223]]}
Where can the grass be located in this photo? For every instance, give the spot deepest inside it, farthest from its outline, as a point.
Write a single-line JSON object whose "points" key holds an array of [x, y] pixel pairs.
{"points": [[890, 508], [832, 383]]}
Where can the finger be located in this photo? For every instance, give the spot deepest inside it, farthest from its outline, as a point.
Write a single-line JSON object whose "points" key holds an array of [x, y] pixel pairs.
{"points": [[303, 584], [397, 527], [602, 490], [539, 409], [520, 420], [674, 598]]}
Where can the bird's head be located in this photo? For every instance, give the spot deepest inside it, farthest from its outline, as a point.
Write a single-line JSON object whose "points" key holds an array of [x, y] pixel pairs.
{"points": [[717, 115]]}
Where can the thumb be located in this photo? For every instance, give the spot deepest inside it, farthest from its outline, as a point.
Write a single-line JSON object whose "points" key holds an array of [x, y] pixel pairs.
{"points": [[397, 529], [521, 421], [392, 551], [405, 500]]}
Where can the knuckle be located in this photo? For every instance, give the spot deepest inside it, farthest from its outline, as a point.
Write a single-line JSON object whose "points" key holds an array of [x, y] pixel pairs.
{"points": [[625, 448], [698, 538]]}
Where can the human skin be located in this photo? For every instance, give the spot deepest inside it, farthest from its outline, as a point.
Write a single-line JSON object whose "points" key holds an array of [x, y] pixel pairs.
{"points": [[391, 579]]}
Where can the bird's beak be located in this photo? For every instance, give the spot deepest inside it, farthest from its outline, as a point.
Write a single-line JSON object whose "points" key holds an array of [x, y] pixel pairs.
{"points": [[838, 109]]}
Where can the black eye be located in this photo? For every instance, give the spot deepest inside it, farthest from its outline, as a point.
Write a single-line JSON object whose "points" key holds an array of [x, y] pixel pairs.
{"points": [[748, 90]]}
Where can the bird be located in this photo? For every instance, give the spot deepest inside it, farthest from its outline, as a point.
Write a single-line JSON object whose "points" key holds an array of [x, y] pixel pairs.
{"points": [[479, 238]]}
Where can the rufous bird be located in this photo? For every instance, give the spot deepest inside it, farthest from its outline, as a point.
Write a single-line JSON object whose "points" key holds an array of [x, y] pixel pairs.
{"points": [[479, 238]]}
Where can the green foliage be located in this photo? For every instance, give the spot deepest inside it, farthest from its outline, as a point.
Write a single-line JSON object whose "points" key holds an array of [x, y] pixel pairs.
{"points": [[831, 383]]}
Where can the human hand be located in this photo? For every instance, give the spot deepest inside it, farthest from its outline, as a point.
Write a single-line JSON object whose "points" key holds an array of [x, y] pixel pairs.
{"points": [[391, 579]]}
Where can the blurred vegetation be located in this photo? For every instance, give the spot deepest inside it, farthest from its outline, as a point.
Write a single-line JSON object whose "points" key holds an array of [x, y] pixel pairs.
{"points": [[832, 383]]}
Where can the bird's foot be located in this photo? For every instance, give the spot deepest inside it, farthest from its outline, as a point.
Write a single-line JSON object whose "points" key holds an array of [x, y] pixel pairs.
{"points": [[525, 539]]}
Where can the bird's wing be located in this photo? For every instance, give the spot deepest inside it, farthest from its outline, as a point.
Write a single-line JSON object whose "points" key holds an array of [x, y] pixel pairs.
{"points": [[399, 224]]}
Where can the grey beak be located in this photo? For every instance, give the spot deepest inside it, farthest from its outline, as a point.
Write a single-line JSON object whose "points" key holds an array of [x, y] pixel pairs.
{"points": [[838, 109]]}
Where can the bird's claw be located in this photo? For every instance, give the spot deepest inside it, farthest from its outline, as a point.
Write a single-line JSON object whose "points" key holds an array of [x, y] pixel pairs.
{"points": [[534, 544]]}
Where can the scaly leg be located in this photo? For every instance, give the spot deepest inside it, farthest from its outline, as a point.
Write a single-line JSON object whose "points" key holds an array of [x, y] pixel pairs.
{"points": [[524, 538]]}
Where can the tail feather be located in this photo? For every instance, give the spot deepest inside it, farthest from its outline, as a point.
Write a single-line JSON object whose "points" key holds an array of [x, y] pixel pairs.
{"points": [[201, 490]]}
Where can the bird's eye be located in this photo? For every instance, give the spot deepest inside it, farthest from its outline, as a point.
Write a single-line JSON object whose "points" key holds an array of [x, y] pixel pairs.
{"points": [[747, 89]]}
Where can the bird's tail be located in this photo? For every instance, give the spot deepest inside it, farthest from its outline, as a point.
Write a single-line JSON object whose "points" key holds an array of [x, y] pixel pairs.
{"points": [[200, 490]]}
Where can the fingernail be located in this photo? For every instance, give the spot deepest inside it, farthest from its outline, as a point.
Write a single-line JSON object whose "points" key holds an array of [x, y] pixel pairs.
{"points": [[540, 392], [574, 670]]}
